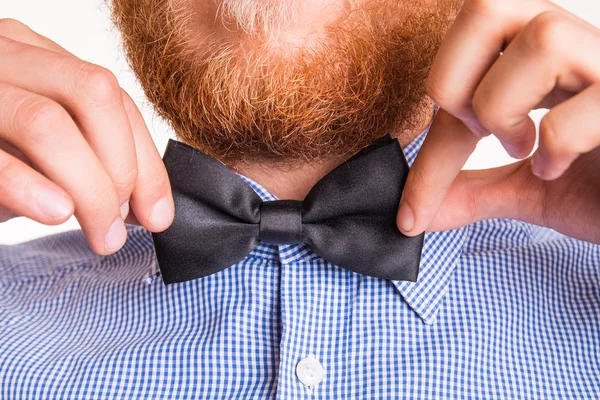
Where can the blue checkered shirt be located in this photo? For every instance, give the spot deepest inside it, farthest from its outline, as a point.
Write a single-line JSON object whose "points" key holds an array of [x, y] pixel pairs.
{"points": [[501, 310]]}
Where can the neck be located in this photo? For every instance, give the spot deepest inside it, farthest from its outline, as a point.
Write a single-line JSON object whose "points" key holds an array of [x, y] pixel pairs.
{"points": [[294, 183]]}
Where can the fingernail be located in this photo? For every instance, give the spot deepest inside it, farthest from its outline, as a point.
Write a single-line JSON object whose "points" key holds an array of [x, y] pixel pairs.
{"points": [[161, 214], [536, 168], [406, 218], [124, 209], [116, 235], [53, 203]]}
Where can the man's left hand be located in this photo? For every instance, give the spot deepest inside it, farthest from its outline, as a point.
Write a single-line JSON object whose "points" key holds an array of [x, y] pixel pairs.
{"points": [[499, 61]]}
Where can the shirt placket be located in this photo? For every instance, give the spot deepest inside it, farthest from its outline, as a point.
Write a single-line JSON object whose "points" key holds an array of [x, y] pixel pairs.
{"points": [[316, 325]]}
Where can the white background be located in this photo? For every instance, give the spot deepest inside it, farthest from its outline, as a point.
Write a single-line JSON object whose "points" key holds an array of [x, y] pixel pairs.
{"points": [[84, 28]]}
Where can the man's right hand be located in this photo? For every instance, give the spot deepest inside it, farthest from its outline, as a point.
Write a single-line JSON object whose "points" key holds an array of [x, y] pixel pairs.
{"points": [[73, 142]]}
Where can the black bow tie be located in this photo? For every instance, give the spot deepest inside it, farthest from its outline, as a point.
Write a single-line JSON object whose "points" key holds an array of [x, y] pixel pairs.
{"points": [[348, 217]]}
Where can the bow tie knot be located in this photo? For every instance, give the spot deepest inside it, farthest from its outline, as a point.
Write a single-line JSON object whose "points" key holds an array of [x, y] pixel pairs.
{"points": [[281, 222]]}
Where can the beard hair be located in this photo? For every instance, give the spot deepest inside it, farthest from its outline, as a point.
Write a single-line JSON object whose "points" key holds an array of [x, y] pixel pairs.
{"points": [[242, 100], [257, 17]]}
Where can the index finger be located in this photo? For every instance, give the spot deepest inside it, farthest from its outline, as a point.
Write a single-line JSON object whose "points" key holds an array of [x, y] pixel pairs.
{"points": [[448, 145], [151, 198], [473, 43]]}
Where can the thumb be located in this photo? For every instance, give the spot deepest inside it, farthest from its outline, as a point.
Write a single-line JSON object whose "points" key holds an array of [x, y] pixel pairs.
{"points": [[448, 145]]}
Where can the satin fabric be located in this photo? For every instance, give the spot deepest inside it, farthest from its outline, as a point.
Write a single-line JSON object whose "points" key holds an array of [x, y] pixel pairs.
{"points": [[348, 217]]}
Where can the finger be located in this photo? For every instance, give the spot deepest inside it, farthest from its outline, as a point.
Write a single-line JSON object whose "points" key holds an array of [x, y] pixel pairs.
{"points": [[6, 215], [471, 46], [446, 149], [20, 32], [28, 193], [48, 137], [510, 191], [152, 199], [92, 96], [567, 131], [13, 151], [132, 219], [540, 58], [144, 196]]}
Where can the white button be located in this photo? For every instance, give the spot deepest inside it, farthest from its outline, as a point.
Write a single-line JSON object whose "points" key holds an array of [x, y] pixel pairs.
{"points": [[310, 371]]}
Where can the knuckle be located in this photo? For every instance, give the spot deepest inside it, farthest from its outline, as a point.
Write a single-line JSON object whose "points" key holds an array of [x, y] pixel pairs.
{"points": [[99, 84], [38, 118], [546, 31], [12, 28]]}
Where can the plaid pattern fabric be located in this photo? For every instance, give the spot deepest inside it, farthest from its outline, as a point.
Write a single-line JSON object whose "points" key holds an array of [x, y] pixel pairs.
{"points": [[501, 310]]}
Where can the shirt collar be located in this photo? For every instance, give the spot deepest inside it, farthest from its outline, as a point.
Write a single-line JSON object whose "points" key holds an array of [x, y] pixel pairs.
{"points": [[441, 251]]}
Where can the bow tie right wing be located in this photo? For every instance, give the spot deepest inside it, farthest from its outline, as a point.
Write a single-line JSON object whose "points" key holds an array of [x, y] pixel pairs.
{"points": [[216, 221], [350, 215]]}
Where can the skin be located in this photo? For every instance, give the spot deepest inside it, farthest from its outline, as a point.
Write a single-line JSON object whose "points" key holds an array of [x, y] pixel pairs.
{"points": [[97, 165], [66, 127], [271, 99], [481, 92]]}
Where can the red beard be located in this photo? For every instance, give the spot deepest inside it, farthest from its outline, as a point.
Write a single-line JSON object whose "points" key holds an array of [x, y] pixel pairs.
{"points": [[245, 103]]}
